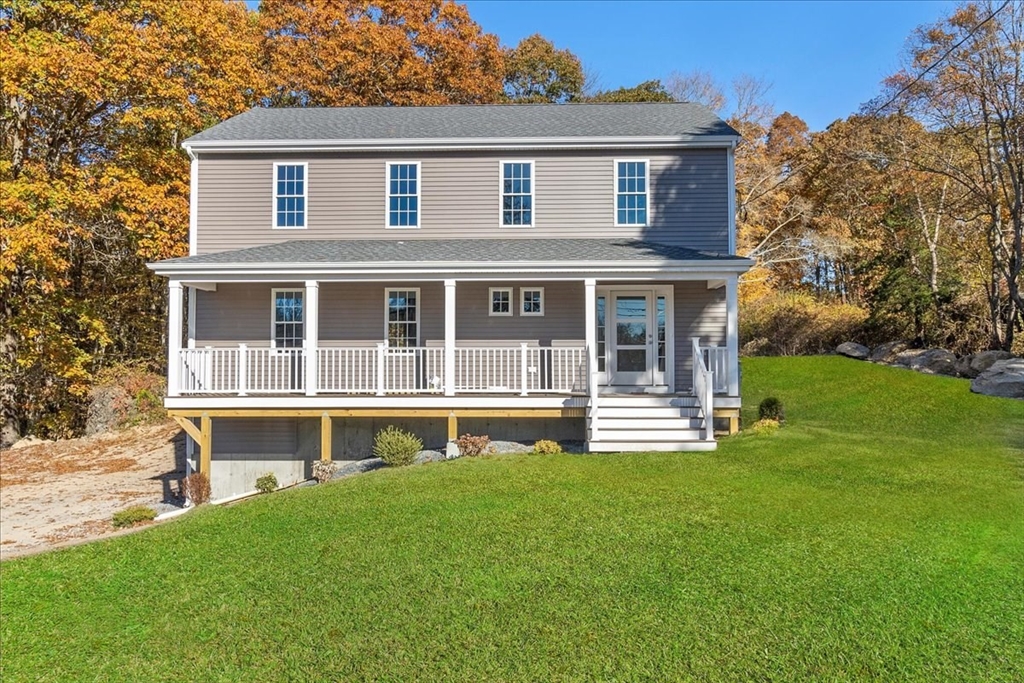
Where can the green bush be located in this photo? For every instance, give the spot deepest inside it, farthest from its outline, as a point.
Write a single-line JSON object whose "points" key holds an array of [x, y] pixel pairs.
{"points": [[267, 483], [547, 447], [474, 445], [136, 514], [765, 427], [771, 408], [396, 447]]}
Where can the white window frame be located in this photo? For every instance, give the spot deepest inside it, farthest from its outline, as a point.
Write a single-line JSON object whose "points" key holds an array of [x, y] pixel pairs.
{"points": [[387, 195], [419, 309], [615, 192], [522, 300], [273, 315], [490, 302], [501, 193], [305, 196]]}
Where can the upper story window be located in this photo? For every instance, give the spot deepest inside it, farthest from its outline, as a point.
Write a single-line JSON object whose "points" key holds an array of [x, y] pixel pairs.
{"points": [[403, 195], [288, 319], [631, 192], [290, 195], [517, 193]]}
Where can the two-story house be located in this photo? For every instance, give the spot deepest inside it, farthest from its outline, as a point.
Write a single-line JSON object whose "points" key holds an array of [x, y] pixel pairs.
{"points": [[522, 271]]}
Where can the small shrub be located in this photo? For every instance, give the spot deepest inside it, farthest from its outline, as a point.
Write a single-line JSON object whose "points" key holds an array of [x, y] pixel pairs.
{"points": [[196, 487], [323, 470], [396, 447], [547, 447], [267, 483], [771, 409], [474, 445], [136, 514], [765, 427]]}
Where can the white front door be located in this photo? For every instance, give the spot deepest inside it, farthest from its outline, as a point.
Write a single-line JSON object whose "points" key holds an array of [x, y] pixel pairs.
{"points": [[632, 354]]}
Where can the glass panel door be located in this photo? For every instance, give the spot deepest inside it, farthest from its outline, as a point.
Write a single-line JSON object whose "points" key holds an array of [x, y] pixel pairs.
{"points": [[633, 339]]}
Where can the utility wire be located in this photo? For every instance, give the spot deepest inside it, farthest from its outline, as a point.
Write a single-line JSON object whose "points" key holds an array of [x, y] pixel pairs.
{"points": [[940, 59]]}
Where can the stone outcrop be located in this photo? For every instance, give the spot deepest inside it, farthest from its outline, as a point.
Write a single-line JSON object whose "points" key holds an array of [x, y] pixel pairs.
{"points": [[887, 352], [935, 362], [1004, 378], [853, 350], [973, 365]]}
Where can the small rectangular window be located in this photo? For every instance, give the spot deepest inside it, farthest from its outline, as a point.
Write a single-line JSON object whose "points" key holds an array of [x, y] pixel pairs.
{"points": [[402, 323], [403, 195], [288, 318], [630, 193], [501, 300], [290, 195], [517, 193], [531, 300]]}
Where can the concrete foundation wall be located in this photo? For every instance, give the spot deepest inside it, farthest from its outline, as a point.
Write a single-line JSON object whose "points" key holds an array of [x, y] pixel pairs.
{"points": [[247, 448]]}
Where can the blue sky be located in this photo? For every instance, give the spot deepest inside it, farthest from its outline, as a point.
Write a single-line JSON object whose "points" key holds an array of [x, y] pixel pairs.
{"points": [[823, 59]]}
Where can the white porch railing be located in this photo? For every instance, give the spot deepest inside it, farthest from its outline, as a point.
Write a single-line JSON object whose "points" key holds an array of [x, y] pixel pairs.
{"points": [[716, 358], [382, 370], [703, 389]]}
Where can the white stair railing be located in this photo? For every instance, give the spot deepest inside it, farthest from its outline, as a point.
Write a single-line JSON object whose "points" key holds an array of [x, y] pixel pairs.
{"points": [[704, 390], [717, 360]]}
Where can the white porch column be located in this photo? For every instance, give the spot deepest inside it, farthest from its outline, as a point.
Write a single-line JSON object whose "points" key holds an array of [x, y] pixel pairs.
{"points": [[174, 319], [590, 318], [312, 325], [449, 337], [192, 294], [732, 333]]}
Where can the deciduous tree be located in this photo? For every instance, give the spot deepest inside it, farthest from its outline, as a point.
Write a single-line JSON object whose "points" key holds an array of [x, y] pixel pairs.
{"points": [[537, 71], [384, 52]]}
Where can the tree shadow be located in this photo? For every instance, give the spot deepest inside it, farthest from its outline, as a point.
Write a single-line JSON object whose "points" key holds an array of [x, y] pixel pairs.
{"points": [[172, 480]]}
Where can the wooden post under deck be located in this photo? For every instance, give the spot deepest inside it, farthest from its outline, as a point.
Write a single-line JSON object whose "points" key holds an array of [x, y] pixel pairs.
{"points": [[205, 444], [325, 437], [453, 427]]}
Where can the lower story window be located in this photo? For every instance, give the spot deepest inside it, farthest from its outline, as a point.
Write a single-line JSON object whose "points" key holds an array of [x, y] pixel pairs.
{"points": [[532, 300], [601, 342], [288, 318], [402, 317], [501, 300], [660, 313]]}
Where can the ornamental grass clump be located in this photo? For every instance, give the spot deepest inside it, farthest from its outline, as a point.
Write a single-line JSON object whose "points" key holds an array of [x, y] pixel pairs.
{"points": [[267, 483], [396, 447], [765, 427], [323, 470], [547, 447], [474, 445], [771, 408], [136, 514]]}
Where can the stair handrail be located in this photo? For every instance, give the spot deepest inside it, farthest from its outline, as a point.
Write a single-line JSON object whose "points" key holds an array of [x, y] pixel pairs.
{"points": [[704, 390], [592, 404]]}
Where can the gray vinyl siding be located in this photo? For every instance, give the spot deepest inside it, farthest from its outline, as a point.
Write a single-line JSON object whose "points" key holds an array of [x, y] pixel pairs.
{"points": [[699, 312], [563, 313], [459, 197]]}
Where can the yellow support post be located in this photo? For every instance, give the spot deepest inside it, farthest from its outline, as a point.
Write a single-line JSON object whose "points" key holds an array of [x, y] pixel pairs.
{"points": [[205, 444], [325, 437], [453, 427]]}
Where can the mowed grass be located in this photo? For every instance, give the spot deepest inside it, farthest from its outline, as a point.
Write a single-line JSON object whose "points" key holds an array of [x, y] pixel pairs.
{"points": [[878, 536]]}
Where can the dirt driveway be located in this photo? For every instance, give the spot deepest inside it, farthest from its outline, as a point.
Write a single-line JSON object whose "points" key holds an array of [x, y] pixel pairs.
{"points": [[61, 492]]}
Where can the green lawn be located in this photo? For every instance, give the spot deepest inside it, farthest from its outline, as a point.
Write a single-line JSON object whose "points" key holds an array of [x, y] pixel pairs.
{"points": [[878, 536]]}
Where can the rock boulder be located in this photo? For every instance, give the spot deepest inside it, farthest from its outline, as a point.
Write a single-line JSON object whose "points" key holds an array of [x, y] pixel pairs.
{"points": [[1003, 378], [886, 353], [935, 362], [853, 350]]}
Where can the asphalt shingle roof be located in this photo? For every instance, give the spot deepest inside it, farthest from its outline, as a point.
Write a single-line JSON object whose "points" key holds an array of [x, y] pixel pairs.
{"points": [[515, 121], [350, 252]]}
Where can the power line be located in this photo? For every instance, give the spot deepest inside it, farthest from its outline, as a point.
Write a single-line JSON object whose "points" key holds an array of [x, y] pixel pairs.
{"points": [[940, 59]]}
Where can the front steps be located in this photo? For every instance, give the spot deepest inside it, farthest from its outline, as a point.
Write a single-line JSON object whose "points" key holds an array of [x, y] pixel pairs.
{"points": [[649, 422]]}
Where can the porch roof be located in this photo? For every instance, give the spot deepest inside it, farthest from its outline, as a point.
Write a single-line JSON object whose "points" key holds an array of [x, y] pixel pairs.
{"points": [[450, 255]]}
